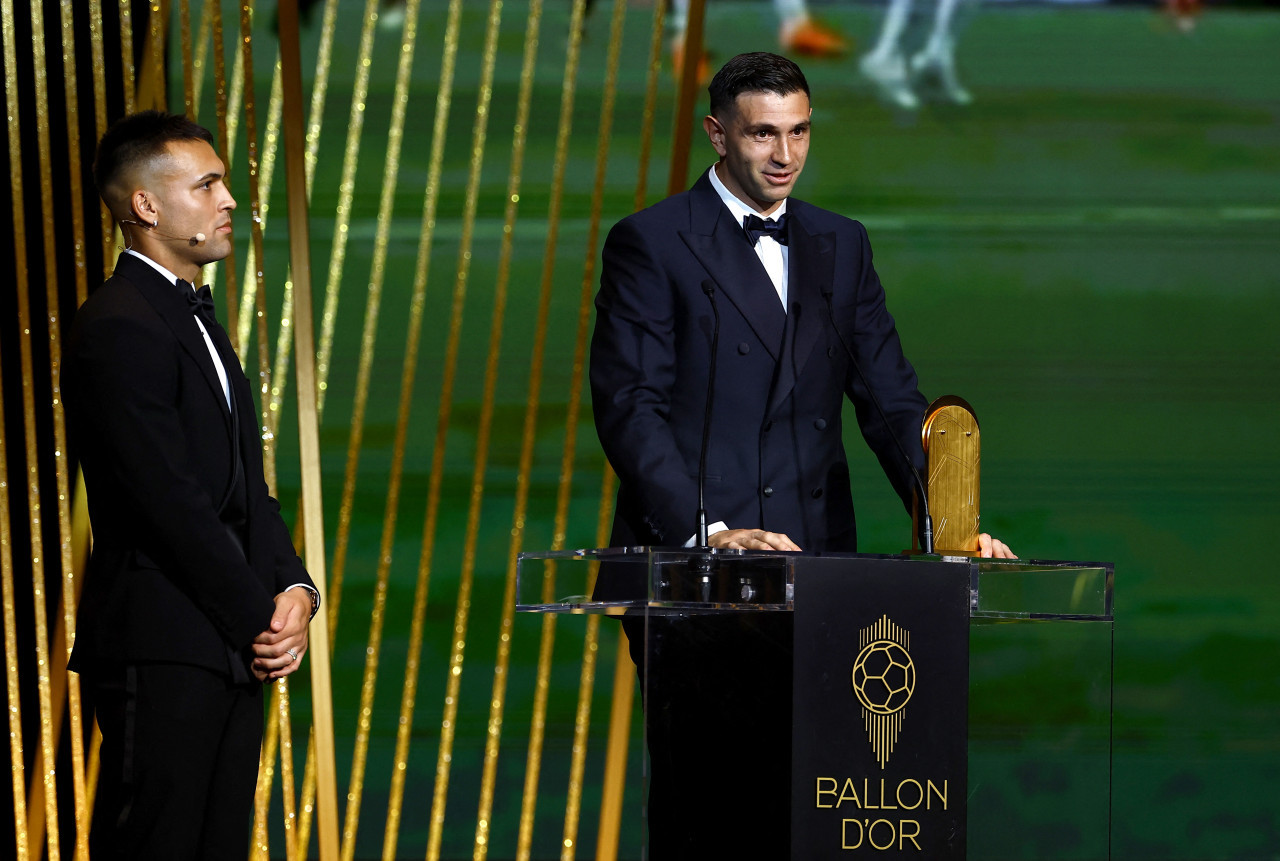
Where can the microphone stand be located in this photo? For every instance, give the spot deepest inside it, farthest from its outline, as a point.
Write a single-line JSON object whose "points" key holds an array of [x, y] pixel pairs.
{"points": [[922, 494], [700, 562]]}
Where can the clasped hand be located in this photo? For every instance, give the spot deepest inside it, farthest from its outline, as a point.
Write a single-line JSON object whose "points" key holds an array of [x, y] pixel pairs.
{"points": [[278, 651]]}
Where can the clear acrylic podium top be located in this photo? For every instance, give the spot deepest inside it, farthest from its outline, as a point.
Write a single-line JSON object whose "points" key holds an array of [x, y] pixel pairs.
{"points": [[658, 580]]}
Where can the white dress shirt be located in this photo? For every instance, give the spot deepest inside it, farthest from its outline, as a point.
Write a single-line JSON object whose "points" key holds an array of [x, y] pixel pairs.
{"points": [[773, 254], [208, 342]]}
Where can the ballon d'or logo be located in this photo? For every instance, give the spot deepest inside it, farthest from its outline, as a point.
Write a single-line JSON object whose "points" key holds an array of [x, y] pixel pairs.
{"points": [[884, 678]]}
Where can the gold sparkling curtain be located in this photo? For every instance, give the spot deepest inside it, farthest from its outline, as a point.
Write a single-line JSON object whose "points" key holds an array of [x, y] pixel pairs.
{"points": [[465, 447]]}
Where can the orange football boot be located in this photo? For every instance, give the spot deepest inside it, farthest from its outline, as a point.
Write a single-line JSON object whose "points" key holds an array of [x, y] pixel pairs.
{"points": [[811, 39]]}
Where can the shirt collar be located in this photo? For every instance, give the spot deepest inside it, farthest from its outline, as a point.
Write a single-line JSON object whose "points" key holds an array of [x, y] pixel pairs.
{"points": [[737, 208], [173, 279]]}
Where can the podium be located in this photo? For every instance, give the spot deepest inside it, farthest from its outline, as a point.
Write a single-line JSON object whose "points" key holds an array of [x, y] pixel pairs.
{"points": [[923, 706]]}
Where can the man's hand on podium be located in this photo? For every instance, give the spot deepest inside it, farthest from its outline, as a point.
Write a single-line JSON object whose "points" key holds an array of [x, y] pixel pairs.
{"points": [[751, 539], [993, 548], [760, 539]]}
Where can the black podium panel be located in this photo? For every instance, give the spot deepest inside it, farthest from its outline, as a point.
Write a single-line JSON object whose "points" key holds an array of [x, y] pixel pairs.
{"points": [[938, 706], [880, 709]]}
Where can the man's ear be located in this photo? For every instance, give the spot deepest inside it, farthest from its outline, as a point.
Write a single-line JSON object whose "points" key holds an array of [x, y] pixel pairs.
{"points": [[143, 207], [715, 133]]}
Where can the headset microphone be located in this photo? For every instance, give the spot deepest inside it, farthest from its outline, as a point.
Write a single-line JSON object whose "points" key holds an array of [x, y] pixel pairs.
{"points": [[155, 228]]}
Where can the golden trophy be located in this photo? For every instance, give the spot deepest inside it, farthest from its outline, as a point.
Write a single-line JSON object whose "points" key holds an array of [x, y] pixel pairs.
{"points": [[953, 453]]}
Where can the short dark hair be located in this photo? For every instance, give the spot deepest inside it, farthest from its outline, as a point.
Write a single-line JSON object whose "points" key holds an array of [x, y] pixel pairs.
{"points": [[138, 137], [757, 72]]}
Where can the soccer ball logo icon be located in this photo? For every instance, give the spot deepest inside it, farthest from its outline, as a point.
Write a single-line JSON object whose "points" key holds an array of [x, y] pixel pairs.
{"points": [[884, 677]]}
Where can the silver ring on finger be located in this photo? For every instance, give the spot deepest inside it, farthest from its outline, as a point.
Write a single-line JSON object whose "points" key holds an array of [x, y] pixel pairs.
{"points": [[292, 654]]}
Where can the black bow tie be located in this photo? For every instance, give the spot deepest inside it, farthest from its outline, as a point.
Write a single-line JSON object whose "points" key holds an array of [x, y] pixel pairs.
{"points": [[755, 226], [201, 302]]}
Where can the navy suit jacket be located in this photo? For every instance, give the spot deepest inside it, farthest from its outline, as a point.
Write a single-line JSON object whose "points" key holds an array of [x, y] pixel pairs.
{"points": [[167, 581], [776, 459]]}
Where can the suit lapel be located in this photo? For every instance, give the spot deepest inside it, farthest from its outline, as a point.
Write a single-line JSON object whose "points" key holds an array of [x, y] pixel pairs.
{"points": [[246, 420], [810, 269], [720, 245], [175, 311]]}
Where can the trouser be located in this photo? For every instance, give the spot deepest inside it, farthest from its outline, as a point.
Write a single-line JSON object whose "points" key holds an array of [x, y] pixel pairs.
{"points": [[179, 763]]}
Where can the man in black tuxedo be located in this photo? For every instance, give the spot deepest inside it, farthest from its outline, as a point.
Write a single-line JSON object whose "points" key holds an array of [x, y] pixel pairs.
{"points": [[194, 596], [784, 276]]}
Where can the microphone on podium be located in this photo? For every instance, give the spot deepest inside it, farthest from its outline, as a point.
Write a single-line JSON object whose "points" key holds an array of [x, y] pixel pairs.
{"points": [[708, 287], [700, 561], [922, 493]]}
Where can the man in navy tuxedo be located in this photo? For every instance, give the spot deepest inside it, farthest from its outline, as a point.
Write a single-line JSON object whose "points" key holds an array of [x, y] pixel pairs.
{"points": [[785, 276], [194, 595]]}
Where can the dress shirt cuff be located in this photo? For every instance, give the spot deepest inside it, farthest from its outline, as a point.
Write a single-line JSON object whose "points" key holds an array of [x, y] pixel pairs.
{"points": [[718, 526], [315, 597]]}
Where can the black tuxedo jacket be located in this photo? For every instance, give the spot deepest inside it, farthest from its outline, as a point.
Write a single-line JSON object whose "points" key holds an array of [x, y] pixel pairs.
{"points": [[776, 459], [168, 580]]}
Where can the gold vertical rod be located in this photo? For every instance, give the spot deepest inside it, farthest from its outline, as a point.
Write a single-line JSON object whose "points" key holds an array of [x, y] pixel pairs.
{"points": [[373, 295], [538, 721], [582, 721], [245, 313], [198, 61], [242, 308], [678, 177], [308, 430], [533, 759], [284, 332], [280, 376], [260, 849], [286, 765], [255, 224], [126, 56], [318, 91], [497, 699], [272, 413], [82, 541], [98, 53], [235, 96], [624, 679], [650, 109], [619, 743], [250, 303], [479, 133], [581, 724], [297, 832], [6, 567], [188, 62], [615, 771], [154, 85], [70, 581], [395, 140], [48, 743], [431, 197], [58, 677], [81, 545], [224, 147], [260, 164], [346, 191], [74, 160], [91, 774]]}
